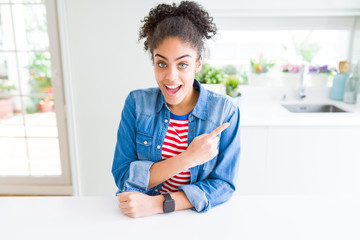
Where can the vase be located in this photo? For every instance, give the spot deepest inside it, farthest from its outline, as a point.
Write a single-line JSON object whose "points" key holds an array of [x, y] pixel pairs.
{"points": [[6, 107], [318, 80], [259, 79], [45, 106], [290, 79], [217, 88]]}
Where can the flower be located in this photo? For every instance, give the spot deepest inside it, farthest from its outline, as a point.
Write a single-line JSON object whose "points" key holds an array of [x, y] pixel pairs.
{"points": [[290, 68], [319, 69], [261, 65]]}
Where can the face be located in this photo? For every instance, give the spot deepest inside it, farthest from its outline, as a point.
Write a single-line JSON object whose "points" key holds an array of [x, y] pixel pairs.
{"points": [[175, 65]]}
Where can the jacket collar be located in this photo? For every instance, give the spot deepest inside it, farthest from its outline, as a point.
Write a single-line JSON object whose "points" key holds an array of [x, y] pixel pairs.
{"points": [[201, 104]]}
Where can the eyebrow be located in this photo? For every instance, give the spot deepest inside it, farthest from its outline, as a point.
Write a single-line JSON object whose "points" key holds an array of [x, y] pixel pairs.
{"points": [[186, 55]]}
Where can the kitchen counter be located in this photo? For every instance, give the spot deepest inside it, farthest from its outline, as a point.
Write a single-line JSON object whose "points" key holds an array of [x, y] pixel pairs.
{"points": [[243, 217], [262, 107]]}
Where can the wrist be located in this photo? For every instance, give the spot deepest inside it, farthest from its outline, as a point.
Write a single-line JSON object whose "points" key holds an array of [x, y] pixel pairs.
{"points": [[186, 159], [158, 204]]}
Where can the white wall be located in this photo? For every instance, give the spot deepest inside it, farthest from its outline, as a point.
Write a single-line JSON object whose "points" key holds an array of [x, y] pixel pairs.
{"points": [[104, 63]]}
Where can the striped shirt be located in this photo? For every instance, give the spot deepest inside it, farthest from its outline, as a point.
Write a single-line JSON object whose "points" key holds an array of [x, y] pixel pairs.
{"points": [[175, 142]]}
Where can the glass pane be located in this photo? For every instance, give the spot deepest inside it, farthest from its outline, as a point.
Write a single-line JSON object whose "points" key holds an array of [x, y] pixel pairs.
{"points": [[30, 27], [6, 30], [9, 80], [13, 157], [11, 119], [35, 73], [44, 156], [316, 46], [40, 118]]}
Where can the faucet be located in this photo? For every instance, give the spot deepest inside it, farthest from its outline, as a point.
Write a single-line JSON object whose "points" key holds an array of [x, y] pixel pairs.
{"points": [[301, 91]]}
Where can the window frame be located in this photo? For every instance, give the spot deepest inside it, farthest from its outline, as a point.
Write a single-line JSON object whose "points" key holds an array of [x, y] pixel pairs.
{"points": [[48, 185]]}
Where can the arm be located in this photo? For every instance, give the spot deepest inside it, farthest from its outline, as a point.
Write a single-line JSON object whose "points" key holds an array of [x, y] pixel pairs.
{"points": [[129, 173], [136, 204], [202, 149], [219, 186]]}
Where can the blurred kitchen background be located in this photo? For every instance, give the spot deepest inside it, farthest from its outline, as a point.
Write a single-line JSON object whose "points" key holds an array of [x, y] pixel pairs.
{"points": [[66, 68]]}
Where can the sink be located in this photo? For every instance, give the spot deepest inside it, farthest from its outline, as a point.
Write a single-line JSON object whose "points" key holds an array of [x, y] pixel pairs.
{"points": [[312, 108]]}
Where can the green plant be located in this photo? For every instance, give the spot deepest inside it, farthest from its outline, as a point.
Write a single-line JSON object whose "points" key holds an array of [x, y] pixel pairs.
{"points": [[230, 70], [232, 84], [261, 65], [39, 79], [40, 75], [306, 49], [6, 87], [210, 75]]}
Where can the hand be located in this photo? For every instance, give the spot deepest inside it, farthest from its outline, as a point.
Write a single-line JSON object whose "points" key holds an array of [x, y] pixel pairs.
{"points": [[204, 147], [136, 204]]}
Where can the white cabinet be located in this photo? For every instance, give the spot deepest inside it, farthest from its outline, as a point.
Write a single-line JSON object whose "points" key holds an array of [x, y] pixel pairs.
{"points": [[252, 170], [300, 160]]}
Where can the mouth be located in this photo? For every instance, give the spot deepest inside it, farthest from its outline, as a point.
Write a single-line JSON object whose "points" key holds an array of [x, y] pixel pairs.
{"points": [[171, 90]]}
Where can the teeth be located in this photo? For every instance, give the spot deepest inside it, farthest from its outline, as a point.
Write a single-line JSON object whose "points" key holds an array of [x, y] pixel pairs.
{"points": [[172, 86]]}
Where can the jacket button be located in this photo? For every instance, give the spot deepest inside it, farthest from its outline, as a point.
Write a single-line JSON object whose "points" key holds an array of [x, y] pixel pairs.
{"points": [[158, 147], [192, 130], [166, 120], [145, 142]]}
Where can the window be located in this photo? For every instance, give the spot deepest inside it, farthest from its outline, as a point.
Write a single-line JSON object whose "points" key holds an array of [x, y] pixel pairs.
{"points": [[34, 155], [280, 43]]}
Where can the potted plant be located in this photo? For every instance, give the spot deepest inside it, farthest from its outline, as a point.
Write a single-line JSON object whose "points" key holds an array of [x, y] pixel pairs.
{"points": [[290, 75], [232, 83], [6, 102], [212, 78], [47, 103], [40, 82], [319, 76], [259, 68]]}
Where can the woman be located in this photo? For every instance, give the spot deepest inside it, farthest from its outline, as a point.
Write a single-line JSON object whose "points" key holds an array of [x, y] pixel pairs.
{"points": [[178, 145]]}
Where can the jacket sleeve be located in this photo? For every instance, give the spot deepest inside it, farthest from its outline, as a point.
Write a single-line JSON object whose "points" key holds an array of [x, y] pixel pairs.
{"points": [[130, 174], [219, 186]]}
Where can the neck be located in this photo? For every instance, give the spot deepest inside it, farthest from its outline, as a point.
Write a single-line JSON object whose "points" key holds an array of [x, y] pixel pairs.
{"points": [[186, 105]]}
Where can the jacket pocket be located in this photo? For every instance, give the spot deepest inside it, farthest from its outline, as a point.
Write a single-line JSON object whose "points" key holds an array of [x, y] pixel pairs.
{"points": [[143, 146]]}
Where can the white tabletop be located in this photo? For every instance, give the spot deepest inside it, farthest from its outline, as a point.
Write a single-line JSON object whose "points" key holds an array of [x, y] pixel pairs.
{"points": [[243, 217]]}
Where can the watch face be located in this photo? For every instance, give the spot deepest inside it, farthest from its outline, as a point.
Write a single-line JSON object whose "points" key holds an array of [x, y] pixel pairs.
{"points": [[169, 205]]}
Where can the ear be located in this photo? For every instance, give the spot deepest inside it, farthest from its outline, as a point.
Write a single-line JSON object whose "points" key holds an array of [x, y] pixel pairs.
{"points": [[198, 65]]}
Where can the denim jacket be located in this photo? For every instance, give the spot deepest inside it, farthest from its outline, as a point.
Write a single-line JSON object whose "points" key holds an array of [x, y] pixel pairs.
{"points": [[142, 129]]}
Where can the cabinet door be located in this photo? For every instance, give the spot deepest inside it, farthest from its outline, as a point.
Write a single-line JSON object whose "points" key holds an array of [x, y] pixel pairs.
{"points": [[313, 160], [251, 178]]}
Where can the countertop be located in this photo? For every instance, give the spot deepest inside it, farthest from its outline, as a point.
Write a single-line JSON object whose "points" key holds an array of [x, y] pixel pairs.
{"points": [[262, 107], [243, 217]]}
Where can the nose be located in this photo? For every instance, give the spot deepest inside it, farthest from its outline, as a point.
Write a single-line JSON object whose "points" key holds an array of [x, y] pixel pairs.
{"points": [[172, 73]]}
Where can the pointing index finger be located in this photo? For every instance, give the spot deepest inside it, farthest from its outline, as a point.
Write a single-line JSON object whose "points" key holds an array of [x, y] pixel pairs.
{"points": [[219, 129]]}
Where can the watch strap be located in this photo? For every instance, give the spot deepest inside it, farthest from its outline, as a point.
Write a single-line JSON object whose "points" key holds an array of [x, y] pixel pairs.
{"points": [[169, 203], [167, 196]]}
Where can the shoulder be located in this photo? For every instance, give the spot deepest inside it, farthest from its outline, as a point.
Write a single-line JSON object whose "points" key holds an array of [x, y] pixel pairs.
{"points": [[220, 107], [144, 100]]}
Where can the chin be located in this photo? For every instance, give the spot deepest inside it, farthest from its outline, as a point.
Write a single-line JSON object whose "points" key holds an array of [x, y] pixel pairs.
{"points": [[172, 102]]}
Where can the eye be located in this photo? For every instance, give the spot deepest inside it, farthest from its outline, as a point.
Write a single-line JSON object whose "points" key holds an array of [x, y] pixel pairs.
{"points": [[161, 64], [183, 65]]}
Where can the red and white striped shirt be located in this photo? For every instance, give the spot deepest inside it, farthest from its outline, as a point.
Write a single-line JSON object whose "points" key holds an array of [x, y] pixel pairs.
{"points": [[175, 142]]}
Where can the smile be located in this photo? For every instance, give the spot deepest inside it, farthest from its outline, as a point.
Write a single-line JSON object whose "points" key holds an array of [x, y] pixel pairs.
{"points": [[171, 90]]}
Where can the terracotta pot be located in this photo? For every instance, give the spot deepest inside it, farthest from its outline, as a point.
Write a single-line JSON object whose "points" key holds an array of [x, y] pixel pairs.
{"points": [[6, 107], [46, 106]]}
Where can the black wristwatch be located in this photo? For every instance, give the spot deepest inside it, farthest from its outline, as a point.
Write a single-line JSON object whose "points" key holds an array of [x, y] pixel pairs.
{"points": [[169, 203]]}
